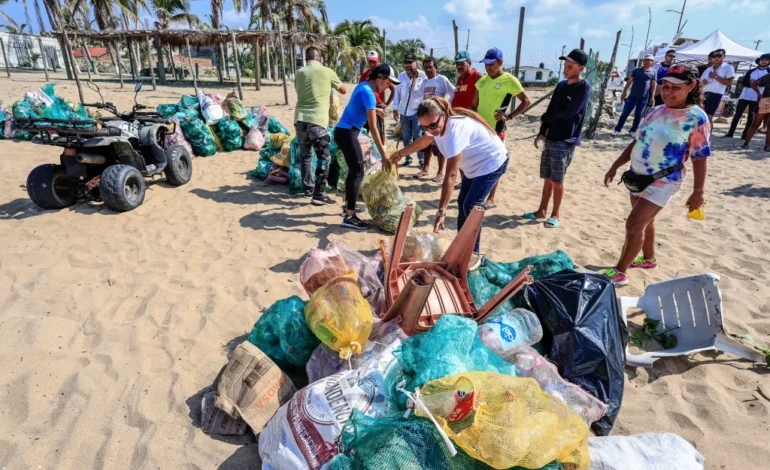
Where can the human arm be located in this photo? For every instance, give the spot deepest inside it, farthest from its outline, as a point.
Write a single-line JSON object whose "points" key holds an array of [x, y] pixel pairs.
{"points": [[475, 104], [337, 84], [699, 166], [699, 149], [447, 188], [653, 88], [525, 102], [625, 90], [396, 99], [392, 93], [624, 158], [572, 109], [416, 146], [449, 89], [342, 89], [374, 132]]}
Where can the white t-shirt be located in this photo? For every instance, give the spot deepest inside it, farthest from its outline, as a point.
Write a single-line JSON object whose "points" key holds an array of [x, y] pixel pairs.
{"points": [[482, 151], [438, 86], [712, 85], [748, 93]]}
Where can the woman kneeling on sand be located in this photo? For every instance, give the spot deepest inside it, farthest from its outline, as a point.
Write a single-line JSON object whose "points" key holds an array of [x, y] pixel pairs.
{"points": [[669, 135], [469, 144]]}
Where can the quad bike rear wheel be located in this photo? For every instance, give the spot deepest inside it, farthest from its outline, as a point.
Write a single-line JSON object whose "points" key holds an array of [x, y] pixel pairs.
{"points": [[49, 187], [122, 188], [179, 167]]}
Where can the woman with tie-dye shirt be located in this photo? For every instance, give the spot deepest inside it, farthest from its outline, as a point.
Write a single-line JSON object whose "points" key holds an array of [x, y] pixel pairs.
{"points": [[670, 135]]}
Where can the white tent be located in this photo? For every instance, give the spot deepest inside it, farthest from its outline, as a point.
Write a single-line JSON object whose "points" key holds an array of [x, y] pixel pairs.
{"points": [[716, 40]]}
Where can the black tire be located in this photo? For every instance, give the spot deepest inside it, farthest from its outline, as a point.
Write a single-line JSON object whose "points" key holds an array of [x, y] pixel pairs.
{"points": [[179, 167], [49, 187], [122, 188]]}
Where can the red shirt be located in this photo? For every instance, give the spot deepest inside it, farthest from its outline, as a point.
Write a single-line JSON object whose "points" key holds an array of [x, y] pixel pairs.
{"points": [[465, 90]]}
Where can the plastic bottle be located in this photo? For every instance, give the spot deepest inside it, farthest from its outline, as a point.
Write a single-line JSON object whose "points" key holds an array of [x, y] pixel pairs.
{"points": [[510, 329]]}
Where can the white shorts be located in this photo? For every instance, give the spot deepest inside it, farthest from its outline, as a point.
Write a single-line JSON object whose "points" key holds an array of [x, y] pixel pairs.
{"points": [[659, 192]]}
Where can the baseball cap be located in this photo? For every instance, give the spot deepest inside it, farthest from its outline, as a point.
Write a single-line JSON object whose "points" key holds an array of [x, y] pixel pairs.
{"points": [[762, 57], [682, 73], [492, 55], [649, 57], [386, 71], [410, 58], [462, 56], [577, 56], [373, 56]]}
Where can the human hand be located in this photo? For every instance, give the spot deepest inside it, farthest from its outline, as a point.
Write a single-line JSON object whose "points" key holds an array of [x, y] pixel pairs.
{"points": [[395, 157], [623, 97], [609, 176], [695, 200], [713, 74], [538, 140], [380, 112], [381, 105], [386, 166], [440, 222], [651, 103], [500, 116], [395, 115]]}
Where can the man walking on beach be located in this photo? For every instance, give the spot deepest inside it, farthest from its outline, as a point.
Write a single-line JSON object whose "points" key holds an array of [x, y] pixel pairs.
{"points": [[643, 86], [407, 98], [749, 98], [434, 85], [495, 92], [718, 79], [561, 128], [660, 69], [314, 84], [373, 59]]}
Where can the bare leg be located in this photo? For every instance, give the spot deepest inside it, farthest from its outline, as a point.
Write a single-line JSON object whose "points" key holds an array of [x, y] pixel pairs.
{"points": [[441, 166], [491, 197], [545, 198], [642, 214], [427, 154], [758, 120], [711, 122], [558, 195], [648, 249]]}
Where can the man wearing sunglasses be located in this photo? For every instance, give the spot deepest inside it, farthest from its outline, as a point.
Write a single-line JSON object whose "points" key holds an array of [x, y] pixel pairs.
{"points": [[717, 80], [660, 69]]}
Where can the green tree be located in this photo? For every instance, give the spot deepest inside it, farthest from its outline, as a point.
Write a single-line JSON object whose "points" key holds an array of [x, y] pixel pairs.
{"points": [[397, 51], [358, 37], [14, 27], [173, 11]]}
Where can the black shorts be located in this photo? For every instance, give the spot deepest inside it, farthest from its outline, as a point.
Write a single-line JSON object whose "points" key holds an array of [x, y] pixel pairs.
{"points": [[711, 102]]}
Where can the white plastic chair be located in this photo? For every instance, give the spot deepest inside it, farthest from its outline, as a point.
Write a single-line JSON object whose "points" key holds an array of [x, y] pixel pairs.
{"points": [[694, 305]]}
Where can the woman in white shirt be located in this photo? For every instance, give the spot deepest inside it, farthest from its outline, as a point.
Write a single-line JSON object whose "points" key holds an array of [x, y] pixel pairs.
{"points": [[470, 145]]}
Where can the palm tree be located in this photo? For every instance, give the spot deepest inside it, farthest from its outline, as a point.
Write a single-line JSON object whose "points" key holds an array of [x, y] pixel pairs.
{"points": [[406, 46], [173, 11], [359, 36], [14, 27]]}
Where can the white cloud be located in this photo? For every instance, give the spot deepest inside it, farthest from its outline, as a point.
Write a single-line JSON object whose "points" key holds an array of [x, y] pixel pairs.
{"points": [[596, 33], [756, 8], [477, 13], [450, 8], [574, 28], [513, 5], [234, 19], [538, 32], [419, 25]]}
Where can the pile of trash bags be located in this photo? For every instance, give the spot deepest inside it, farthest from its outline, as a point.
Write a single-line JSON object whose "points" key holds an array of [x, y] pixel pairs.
{"points": [[461, 395], [41, 104]]}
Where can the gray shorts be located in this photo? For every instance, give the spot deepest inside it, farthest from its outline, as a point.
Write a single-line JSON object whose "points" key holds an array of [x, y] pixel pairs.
{"points": [[555, 160]]}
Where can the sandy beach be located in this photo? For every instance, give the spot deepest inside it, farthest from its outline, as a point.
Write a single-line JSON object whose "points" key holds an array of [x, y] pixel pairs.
{"points": [[113, 325]]}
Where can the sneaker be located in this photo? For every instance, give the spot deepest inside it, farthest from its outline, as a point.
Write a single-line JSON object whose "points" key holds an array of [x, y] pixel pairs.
{"points": [[360, 209], [745, 146], [353, 222], [322, 200], [618, 278], [615, 133], [308, 193], [641, 263], [475, 262]]}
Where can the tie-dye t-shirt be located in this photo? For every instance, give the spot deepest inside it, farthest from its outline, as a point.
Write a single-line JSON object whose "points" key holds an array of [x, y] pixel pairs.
{"points": [[668, 137]]}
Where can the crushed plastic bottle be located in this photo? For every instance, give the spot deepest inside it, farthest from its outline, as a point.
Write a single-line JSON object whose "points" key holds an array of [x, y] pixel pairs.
{"points": [[510, 329]]}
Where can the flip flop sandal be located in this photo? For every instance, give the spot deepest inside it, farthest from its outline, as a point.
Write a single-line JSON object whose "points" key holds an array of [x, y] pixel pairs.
{"points": [[438, 179], [552, 223], [529, 216], [420, 175]]}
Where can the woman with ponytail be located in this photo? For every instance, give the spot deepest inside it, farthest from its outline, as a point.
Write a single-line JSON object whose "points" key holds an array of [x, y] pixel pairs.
{"points": [[469, 144], [669, 136]]}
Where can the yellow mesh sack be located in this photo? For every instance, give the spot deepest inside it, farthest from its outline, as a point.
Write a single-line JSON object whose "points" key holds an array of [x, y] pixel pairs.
{"points": [[339, 315], [335, 108], [506, 421], [217, 140], [279, 140]]}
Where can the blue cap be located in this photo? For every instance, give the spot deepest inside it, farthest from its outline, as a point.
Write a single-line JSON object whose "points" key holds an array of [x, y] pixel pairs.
{"points": [[493, 55]]}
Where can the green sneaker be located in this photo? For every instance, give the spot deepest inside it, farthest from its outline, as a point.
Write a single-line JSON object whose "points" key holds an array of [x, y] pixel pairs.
{"points": [[641, 263], [618, 278]]}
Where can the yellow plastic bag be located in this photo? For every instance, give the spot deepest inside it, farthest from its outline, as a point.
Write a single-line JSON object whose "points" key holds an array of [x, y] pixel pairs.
{"points": [[506, 421], [277, 141], [385, 201], [339, 315], [697, 214], [282, 158], [335, 108], [217, 140]]}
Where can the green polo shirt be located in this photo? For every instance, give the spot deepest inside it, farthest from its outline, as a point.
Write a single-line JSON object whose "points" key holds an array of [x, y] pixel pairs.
{"points": [[314, 84], [492, 92]]}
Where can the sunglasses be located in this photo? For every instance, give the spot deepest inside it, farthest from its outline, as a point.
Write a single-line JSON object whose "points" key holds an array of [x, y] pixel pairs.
{"points": [[432, 126]]}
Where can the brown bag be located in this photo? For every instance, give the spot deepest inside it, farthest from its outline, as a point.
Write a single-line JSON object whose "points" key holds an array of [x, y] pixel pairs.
{"points": [[216, 421], [252, 387], [419, 293]]}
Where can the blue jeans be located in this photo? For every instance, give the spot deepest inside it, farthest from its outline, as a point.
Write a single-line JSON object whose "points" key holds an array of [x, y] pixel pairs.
{"points": [[638, 102], [410, 131], [474, 192]]}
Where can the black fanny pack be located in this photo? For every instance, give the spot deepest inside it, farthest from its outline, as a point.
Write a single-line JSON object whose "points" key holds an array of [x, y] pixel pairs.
{"points": [[638, 183]]}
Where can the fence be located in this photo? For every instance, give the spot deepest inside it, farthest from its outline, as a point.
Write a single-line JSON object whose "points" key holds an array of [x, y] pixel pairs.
{"points": [[23, 51]]}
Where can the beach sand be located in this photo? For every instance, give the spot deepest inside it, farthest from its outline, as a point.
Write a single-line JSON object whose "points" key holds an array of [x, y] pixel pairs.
{"points": [[113, 325]]}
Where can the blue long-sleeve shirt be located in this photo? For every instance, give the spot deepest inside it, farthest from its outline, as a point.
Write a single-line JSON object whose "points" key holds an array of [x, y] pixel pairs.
{"points": [[563, 120]]}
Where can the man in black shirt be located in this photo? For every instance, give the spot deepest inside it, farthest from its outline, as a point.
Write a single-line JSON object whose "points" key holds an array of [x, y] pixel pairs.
{"points": [[561, 128]]}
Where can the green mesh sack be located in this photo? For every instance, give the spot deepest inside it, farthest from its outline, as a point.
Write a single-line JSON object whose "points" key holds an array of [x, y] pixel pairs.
{"points": [[282, 333], [500, 274], [24, 109], [274, 126], [200, 138], [262, 170], [230, 133], [189, 102], [250, 121], [167, 110], [295, 163], [186, 113], [61, 109], [398, 443]]}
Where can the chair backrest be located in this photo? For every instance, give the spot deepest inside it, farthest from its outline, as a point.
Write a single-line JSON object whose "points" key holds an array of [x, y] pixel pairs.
{"points": [[686, 302]]}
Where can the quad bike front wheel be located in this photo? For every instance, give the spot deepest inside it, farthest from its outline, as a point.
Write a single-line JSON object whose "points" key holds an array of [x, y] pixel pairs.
{"points": [[49, 187], [179, 168], [122, 188]]}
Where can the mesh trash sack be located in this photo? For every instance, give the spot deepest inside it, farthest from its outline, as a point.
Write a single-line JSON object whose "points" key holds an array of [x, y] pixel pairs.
{"points": [[282, 333], [252, 387], [254, 140], [277, 141], [167, 110], [506, 330], [261, 117], [295, 163], [339, 315], [398, 443], [505, 421], [234, 108], [189, 102], [451, 346], [262, 171], [419, 247], [201, 140], [230, 134], [304, 432], [215, 137], [326, 362], [177, 137], [371, 158], [278, 175], [385, 202], [58, 108], [335, 108], [274, 126], [649, 451], [500, 274], [337, 259], [211, 110], [583, 333]]}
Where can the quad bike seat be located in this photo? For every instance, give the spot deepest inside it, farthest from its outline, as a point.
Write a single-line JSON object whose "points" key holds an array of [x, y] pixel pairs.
{"points": [[417, 294]]}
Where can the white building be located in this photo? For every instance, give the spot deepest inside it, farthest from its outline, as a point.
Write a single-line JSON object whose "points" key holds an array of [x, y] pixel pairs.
{"points": [[21, 49], [535, 75]]}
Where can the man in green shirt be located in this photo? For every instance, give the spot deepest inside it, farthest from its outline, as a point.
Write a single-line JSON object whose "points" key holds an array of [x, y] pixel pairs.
{"points": [[314, 84], [494, 93]]}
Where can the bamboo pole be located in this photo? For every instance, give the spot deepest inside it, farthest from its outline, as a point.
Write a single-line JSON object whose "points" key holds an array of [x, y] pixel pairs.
{"points": [[149, 61], [43, 56], [268, 71], [237, 66], [189, 58], [116, 45], [257, 66], [75, 70], [5, 58], [595, 122], [283, 66]]}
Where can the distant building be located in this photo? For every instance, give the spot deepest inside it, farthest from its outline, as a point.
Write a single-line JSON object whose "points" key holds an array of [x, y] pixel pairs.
{"points": [[534, 75], [97, 53], [23, 50]]}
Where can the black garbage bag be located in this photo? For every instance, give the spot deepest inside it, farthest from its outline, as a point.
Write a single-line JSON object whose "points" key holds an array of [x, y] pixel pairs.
{"points": [[583, 333]]}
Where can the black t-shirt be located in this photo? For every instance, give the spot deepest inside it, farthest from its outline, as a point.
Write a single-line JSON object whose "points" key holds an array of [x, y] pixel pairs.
{"points": [[563, 120]]}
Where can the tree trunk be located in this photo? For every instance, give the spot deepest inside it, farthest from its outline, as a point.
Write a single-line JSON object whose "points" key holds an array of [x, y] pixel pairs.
{"points": [[268, 70], [221, 62], [39, 17], [161, 66], [227, 61]]}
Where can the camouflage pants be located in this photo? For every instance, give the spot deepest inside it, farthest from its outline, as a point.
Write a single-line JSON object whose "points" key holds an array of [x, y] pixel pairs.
{"points": [[313, 137]]}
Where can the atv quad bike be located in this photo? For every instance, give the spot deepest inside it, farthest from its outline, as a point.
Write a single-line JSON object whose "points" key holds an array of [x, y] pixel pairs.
{"points": [[106, 163]]}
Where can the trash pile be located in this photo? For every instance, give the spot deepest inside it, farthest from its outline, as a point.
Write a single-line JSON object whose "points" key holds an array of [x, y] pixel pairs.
{"points": [[41, 104], [466, 393]]}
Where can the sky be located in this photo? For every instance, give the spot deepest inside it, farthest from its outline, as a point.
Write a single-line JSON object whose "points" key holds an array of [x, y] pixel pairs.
{"points": [[548, 24]]}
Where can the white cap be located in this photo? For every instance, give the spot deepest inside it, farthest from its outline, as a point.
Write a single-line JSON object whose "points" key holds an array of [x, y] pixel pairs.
{"points": [[649, 57], [372, 55]]}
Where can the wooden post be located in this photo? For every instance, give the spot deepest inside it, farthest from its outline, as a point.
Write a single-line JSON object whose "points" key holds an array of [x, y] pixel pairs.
{"points": [[75, 70], [117, 60], [283, 66], [595, 122], [90, 61], [171, 59], [384, 48], [161, 67], [468, 40], [268, 71], [149, 61], [518, 42], [197, 70], [431, 52], [189, 58], [44, 57], [257, 66], [454, 29], [5, 58], [237, 66], [134, 71], [582, 43]]}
